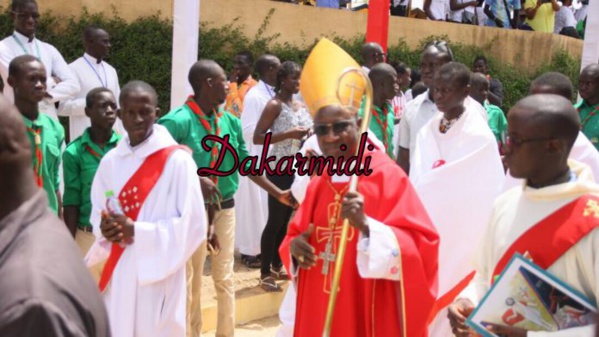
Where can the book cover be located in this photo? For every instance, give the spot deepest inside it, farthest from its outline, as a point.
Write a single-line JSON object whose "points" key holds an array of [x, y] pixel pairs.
{"points": [[527, 297]]}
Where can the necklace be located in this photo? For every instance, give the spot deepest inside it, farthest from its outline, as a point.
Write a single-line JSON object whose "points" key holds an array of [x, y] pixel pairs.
{"points": [[446, 124], [37, 47], [105, 85]]}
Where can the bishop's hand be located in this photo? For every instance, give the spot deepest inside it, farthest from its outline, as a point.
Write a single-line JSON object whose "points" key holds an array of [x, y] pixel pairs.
{"points": [[352, 209], [457, 314], [302, 251]]}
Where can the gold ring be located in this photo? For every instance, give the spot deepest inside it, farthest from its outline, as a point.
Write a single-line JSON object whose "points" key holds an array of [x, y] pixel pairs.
{"points": [[301, 258]]}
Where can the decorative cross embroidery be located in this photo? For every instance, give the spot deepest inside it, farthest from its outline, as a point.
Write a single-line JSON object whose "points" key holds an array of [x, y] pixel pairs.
{"points": [[129, 199], [592, 208]]}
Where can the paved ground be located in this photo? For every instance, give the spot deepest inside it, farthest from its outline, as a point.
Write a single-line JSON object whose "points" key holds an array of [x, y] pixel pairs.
{"points": [[266, 327]]}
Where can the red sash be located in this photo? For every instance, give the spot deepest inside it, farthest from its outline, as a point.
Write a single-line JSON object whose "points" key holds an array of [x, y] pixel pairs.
{"points": [[553, 236], [132, 197]]}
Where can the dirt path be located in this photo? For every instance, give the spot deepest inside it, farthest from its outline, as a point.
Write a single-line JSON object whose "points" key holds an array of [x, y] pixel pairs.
{"points": [[266, 327]]}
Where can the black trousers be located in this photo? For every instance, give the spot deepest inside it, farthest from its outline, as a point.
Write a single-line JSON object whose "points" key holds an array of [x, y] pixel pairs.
{"points": [[276, 226]]}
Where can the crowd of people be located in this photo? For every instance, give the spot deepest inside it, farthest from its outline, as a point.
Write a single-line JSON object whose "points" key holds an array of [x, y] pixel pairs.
{"points": [[455, 184], [559, 17]]}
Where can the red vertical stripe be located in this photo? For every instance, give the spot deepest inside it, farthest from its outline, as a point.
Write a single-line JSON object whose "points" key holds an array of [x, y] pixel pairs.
{"points": [[378, 22]]}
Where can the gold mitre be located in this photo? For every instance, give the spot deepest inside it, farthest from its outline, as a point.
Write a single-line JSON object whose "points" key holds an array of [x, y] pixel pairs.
{"points": [[320, 83]]}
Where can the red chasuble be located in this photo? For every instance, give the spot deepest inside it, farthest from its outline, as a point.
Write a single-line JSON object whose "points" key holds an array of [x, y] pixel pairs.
{"points": [[367, 307]]}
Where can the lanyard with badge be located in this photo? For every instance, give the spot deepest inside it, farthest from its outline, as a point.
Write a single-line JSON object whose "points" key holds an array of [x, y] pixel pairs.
{"points": [[105, 85], [37, 47]]}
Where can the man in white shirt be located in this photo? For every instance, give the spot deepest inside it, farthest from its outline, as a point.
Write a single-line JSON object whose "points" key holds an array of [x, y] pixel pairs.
{"points": [[372, 53], [60, 81], [91, 71], [252, 209], [436, 9], [565, 22], [462, 11]]}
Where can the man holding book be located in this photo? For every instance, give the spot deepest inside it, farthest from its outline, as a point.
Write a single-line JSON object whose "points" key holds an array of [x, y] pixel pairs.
{"points": [[551, 219]]}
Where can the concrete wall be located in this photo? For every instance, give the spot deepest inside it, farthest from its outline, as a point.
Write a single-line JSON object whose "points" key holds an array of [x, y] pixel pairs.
{"points": [[300, 25], [127, 9]]}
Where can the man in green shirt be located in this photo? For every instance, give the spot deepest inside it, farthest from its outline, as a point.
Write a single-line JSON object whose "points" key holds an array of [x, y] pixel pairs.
{"points": [[27, 77], [81, 160], [199, 117], [479, 90], [588, 87], [384, 89]]}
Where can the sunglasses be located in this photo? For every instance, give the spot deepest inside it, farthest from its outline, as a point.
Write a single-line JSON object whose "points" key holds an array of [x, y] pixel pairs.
{"points": [[338, 128]]}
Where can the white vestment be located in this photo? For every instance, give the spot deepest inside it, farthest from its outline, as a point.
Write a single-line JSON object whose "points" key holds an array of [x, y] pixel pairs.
{"points": [[146, 296], [418, 112], [518, 210], [90, 74], [251, 201], [582, 151], [458, 195], [18, 44]]}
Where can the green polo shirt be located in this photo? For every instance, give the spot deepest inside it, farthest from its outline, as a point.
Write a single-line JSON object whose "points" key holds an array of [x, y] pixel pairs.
{"points": [[186, 129], [79, 165], [52, 138], [497, 121], [589, 123]]}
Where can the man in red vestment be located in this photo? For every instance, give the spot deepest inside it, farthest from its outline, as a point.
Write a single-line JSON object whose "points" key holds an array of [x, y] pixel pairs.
{"points": [[389, 276]]}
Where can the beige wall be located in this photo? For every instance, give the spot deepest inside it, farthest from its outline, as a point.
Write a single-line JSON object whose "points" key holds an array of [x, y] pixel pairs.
{"points": [[300, 25], [128, 9]]}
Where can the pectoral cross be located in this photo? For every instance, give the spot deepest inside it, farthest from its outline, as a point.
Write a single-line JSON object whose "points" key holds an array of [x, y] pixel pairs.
{"points": [[327, 257]]}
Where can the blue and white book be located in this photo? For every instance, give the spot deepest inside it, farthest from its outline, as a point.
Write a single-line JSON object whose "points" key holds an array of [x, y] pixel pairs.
{"points": [[528, 297]]}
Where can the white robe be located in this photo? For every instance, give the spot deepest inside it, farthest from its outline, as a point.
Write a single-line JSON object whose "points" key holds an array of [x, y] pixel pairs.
{"points": [[101, 75], [458, 195], [146, 296], [582, 151], [518, 210], [251, 201]]}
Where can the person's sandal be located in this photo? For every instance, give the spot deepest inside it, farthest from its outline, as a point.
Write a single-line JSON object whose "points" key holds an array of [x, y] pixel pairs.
{"points": [[269, 285], [280, 274]]}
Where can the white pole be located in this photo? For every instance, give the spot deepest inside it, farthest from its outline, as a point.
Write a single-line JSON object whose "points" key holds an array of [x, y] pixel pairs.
{"points": [[590, 51], [186, 31]]}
